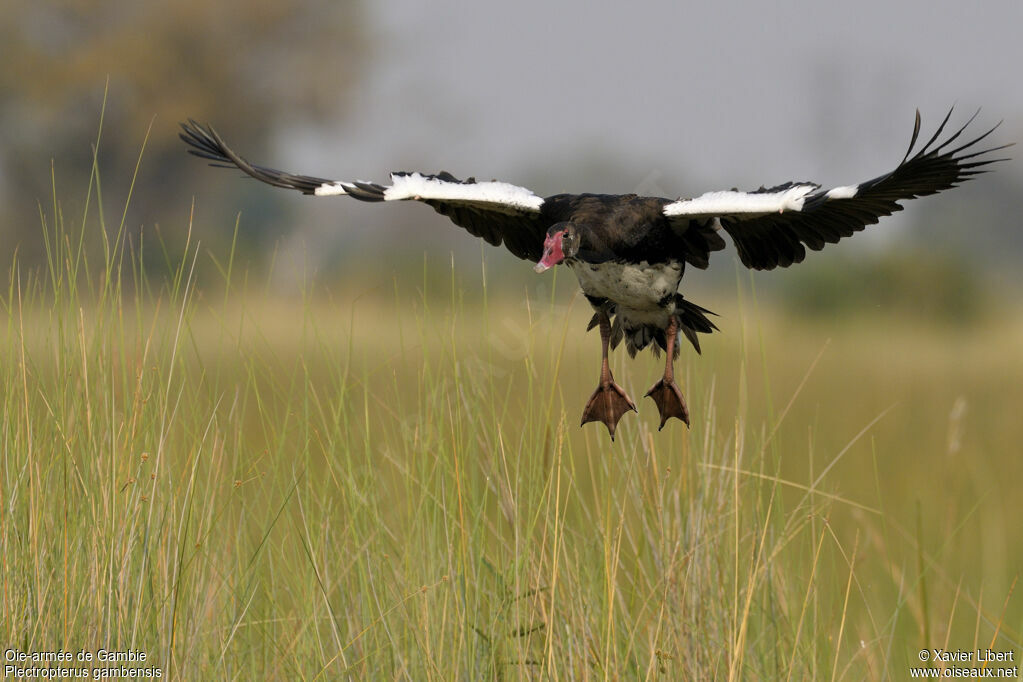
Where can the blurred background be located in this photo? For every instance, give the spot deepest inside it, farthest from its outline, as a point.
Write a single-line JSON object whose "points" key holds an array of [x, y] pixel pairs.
{"points": [[362, 343], [655, 97]]}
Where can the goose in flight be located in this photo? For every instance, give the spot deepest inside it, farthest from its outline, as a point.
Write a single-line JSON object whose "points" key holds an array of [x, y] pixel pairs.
{"points": [[629, 252]]}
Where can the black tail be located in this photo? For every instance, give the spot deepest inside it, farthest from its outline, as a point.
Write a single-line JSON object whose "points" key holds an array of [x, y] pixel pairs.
{"points": [[692, 320]]}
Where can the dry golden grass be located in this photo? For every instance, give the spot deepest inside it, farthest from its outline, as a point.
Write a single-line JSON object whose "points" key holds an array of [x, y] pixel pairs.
{"points": [[398, 487], [374, 485]]}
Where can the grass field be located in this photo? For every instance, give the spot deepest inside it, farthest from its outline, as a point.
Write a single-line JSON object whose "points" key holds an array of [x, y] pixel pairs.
{"points": [[392, 484]]}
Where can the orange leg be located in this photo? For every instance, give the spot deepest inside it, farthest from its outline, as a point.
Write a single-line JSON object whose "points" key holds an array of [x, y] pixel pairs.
{"points": [[665, 392], [609, 402]]}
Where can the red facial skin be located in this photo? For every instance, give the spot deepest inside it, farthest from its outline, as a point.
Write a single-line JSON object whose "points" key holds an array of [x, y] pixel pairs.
{"points": [[552, 253]]}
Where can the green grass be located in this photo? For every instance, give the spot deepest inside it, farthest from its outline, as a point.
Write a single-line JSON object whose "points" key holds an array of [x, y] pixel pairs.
{"points": [[394, 485]]}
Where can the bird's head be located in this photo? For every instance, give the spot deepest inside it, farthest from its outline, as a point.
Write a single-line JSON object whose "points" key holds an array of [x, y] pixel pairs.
{"points": [[562, 242]]}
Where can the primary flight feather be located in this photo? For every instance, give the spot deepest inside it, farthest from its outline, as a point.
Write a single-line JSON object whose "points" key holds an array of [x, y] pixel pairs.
{"points": [[629, 252]]}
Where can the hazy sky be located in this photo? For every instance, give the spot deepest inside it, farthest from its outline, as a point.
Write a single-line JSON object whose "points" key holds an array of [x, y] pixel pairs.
{"points": [[712, 94]]}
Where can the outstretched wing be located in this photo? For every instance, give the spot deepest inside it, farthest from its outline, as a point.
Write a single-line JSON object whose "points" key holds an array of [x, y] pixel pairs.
{"points": [[771, 226], [498, 212]]}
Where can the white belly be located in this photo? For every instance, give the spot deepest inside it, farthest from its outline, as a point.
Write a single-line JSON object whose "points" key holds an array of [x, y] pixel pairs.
{"points": [[643, 296], [640, 288]]}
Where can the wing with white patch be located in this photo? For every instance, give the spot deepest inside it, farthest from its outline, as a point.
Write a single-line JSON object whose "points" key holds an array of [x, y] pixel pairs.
{"points": [[498, 212], [772, 226], [787, 197]]}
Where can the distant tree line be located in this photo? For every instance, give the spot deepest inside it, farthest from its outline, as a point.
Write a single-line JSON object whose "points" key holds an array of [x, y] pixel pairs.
{"points": [[253, 68]]}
